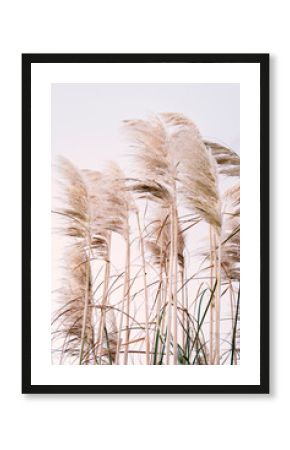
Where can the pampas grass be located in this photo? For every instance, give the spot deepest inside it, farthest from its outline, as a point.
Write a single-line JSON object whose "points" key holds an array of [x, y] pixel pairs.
{"points": [[165, 304]]}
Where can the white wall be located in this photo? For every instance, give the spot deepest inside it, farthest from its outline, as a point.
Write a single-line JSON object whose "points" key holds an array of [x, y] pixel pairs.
{"points": [[142, 422]]}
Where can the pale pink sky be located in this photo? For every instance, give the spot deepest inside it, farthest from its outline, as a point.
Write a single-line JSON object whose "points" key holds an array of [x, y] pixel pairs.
{"points": [[86, 118]]}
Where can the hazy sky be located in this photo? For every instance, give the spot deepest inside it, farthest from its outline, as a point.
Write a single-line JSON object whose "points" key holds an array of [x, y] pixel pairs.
{"points": [[87, 118]]}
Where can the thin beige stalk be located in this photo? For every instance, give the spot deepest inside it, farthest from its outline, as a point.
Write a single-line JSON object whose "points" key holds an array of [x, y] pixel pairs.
{"points": [[164, 297], [211, 343], [184, 309], [127, 296], [85, 313], [104, 301], [169, 287], [157, 329], [125, 290], [217, 297], [233, 312], [119, 337], [159, 302], [147, 340], [174, 284]]}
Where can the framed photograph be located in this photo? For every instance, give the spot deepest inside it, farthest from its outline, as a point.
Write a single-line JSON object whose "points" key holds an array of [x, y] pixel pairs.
{"points": [[145, 223]]}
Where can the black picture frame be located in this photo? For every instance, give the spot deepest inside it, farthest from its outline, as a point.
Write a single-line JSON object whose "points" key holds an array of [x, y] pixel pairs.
{"points": [[263, 61]]}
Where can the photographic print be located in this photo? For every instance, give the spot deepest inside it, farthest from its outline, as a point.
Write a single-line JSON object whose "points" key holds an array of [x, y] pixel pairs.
{"points": [[149, 241], [150, 201]]}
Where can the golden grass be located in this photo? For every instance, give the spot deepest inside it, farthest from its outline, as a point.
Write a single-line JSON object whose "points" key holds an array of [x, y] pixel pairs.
{"points": [[173, 318]]}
